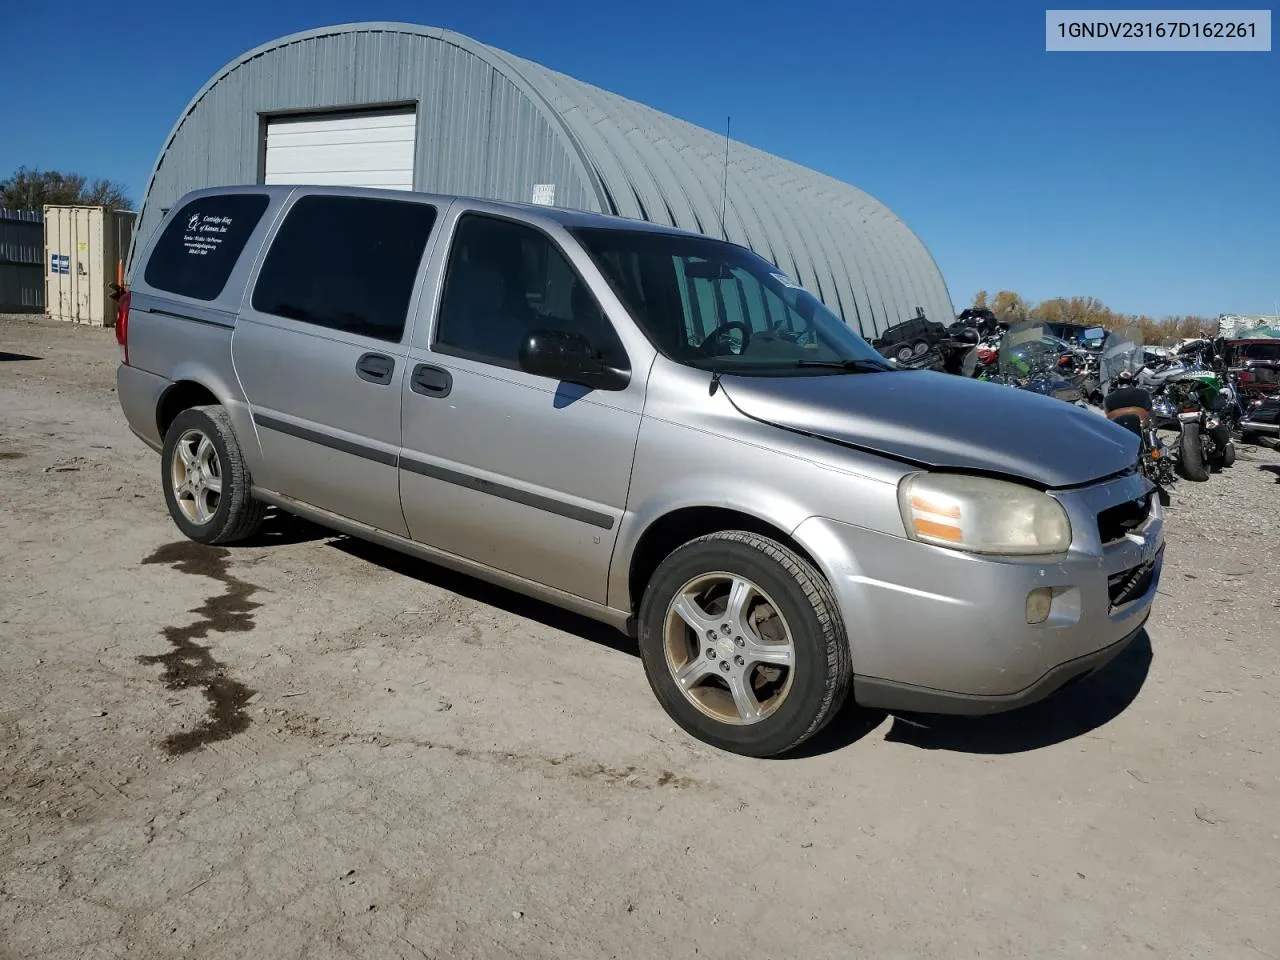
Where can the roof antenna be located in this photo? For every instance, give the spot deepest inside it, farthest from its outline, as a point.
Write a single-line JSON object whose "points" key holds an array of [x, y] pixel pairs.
{"points": [[724, 189]]}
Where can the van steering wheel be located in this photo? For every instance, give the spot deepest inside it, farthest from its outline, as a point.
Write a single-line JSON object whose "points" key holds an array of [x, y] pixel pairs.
{"points": [[721, 330]]}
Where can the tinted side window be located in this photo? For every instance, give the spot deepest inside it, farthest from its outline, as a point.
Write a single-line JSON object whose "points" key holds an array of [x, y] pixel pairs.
{"points": [[506, 280], [199, 248], [346, 263]]}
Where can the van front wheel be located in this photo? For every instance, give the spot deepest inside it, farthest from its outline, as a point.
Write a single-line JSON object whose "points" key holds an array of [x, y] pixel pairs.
{"points": [[743, 643], [206, 483]]}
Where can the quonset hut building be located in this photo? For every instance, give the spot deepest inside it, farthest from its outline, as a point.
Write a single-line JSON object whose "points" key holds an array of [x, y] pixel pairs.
{"points": [[419, 108]]}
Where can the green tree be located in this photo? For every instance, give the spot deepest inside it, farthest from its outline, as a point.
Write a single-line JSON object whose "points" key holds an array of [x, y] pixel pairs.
{"points": [[30, 189]]}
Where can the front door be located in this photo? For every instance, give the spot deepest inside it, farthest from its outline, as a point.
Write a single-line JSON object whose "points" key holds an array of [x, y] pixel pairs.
{"points": [[320, 351], [518, 472]]}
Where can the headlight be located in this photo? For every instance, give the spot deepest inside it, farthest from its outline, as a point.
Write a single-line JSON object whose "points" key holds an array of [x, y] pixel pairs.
{"points": [[981, 515]]}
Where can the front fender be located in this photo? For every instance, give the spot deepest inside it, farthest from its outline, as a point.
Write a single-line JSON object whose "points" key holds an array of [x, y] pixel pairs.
{"points": [[782, 484]]}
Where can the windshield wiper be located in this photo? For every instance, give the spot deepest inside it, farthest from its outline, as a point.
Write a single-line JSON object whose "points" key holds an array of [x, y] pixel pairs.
{"points": [[851, 366]]}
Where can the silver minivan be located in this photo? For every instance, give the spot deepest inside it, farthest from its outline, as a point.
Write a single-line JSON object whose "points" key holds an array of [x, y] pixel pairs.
{"points": [[656, 429]]}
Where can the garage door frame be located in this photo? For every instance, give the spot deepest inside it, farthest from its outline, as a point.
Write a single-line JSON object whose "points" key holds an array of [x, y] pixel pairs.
{"points": [[336, 113]]}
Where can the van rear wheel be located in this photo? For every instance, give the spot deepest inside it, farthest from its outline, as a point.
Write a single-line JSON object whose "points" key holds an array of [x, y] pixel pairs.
{"points": [[743, 644], [205, 480]]}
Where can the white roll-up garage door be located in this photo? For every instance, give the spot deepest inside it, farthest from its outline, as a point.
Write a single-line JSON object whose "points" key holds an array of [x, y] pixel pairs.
{"points": [[350, 150]]}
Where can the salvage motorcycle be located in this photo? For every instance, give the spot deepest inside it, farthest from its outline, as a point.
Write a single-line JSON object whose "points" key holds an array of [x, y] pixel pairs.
{"points": [[1207, 360], [1261, 419], [1193, 400], [921, 344], [1132, 407], [1030, 359]]}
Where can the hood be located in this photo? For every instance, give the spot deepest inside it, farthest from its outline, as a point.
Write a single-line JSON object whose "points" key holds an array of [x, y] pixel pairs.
{"points": [[943, 421]]}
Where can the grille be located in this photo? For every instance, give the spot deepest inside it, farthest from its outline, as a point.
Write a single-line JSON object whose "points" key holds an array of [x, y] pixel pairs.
{"points": [[1115, 522], [1131, 584]]}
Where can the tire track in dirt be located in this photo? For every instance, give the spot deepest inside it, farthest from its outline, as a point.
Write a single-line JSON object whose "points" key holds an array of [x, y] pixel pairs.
{"points": [[191, 664]]}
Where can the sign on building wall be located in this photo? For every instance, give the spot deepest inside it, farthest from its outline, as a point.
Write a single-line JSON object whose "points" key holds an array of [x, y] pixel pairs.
{"points": [[544, 194]]}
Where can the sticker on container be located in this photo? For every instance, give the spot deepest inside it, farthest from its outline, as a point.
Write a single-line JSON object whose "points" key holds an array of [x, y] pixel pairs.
{"points": [[786, 281], [544, 194], [82, 246], [59, 263]]}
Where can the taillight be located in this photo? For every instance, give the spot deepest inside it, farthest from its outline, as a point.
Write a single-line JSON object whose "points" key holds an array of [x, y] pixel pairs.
{"points": [[122, 323], [1245, 376]]}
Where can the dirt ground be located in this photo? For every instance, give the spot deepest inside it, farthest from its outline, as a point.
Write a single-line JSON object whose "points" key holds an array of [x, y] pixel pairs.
{"points": [[311, 747]]}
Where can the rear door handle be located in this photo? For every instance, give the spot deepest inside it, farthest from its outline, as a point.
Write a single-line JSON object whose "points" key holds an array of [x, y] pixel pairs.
{"points": [[431, 381], [375, 367]]}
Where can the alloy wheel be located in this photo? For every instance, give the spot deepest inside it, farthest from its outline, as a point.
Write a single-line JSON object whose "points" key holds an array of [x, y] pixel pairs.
{"points": [[196, 475], [729, 648]]}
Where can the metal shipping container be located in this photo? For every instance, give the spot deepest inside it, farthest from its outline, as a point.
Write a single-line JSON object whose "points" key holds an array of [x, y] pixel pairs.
{"points": [[83, 246], [21, 263]]}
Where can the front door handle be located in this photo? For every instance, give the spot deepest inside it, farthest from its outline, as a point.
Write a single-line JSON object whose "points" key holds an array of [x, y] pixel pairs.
{"points": [[431, 381], [375, 367]]}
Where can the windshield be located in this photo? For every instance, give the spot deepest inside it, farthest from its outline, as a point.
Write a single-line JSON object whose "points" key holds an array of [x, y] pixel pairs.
{"points": [[717, 306], [1027, 350], [1261, 351], [1122, 354], [1062, 346]]}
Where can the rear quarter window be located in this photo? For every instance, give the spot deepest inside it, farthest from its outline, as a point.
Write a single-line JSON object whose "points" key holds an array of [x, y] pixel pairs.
{"points": [[199, 248]]}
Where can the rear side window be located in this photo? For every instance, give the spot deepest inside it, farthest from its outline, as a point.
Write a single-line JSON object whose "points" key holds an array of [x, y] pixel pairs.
{"points": [[346, 263], [199, 248]]}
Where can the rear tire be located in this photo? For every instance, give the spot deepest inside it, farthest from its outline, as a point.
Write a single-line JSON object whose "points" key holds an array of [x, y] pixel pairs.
{"points": [[1229, 454], [205, 481], [699, 675], [1191, 455]]}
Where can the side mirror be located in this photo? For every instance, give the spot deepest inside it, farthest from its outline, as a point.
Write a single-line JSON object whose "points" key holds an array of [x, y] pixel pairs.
{"points": [[569, 358]]}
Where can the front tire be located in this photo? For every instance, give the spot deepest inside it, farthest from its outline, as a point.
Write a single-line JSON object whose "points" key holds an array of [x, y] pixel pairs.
{"points": [[1221, 437], [743, 644], [1191, 455], [206, 483]]}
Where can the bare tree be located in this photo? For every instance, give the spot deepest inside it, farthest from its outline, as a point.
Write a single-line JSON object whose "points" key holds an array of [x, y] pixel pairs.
{"points": [[30, 189]]}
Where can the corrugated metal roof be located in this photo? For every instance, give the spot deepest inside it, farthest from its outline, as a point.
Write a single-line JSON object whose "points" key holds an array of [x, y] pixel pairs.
{"points": [[492, 124]]}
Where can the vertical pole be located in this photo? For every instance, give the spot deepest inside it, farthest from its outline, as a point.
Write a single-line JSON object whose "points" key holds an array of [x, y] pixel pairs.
{"points": [[724, 189]]}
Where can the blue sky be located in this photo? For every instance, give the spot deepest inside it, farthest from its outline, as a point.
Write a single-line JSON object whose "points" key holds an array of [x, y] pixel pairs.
{"points": [[1149, 180]]}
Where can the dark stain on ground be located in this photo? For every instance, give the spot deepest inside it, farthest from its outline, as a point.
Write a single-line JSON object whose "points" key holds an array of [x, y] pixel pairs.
{"points": [[11, 455], [190, 664]]}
